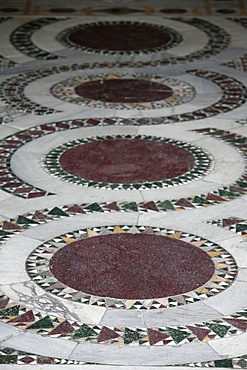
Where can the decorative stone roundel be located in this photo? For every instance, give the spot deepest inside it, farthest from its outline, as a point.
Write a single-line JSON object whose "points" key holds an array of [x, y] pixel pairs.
{"points": [[128, 162], [124, 91], [125, 266], [119, 37], [132, 266]]}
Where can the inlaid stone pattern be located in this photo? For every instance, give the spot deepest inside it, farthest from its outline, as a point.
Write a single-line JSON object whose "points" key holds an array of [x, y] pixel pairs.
{"points": [[131, 266], [242, 121], [218, 40], [43, 267], [236, 225], [12, 184], [124, 91], [44, 306], [51, 326], [6, 63], [238, 63], [20, 315], [21, 38], [171, 162], [234, 93], [241, 21], [17, 357], [229, 363], [119, 37], [12, 356]]}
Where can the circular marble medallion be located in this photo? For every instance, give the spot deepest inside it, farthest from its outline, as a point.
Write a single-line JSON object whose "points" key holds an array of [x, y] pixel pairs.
{"points": [[123, 90], [126, 91], [113, 265], [132, 266], [128, 162], [119, 37]]}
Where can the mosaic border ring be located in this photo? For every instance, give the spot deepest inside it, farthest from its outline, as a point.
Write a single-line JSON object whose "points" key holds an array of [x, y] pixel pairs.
{"points": [[38, 268]]}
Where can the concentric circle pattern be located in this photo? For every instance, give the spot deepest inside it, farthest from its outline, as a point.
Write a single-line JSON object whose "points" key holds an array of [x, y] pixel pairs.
{"points": [[123, 184], [121, 264]]}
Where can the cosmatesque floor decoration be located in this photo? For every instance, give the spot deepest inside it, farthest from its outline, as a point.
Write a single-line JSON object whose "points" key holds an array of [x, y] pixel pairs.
{"points": [[123, 184]]}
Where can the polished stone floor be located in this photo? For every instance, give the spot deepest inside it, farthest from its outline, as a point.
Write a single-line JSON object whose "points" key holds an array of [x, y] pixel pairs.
{"points": [[123, 184]]}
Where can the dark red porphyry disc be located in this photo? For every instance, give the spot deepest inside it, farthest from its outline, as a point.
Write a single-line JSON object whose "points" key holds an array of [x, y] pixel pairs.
{"points": [[132, 266], [120, 37], [127, 160], [123, 90]]}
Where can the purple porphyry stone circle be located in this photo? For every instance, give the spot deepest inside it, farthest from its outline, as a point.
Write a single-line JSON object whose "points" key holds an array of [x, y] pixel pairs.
{"points": [[132, 266], [124, 90], [127, 160], [120, 37]]}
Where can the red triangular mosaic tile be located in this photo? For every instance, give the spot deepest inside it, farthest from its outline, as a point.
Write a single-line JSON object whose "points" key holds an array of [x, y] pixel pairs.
{"points": [[200, 333], [112, 206], [156, 336], [26, 317], [75, 209], [238, 323], [64, 328], [107, 334], [151, 206], [184, 203]]}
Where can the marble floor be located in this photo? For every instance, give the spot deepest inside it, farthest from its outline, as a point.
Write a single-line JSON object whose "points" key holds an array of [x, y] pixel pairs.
{"points": [[123, 184]]}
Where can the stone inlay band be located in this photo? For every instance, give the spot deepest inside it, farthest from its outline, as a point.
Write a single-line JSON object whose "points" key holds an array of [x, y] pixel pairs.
{"points": [[128, 162], [117, 257], [21, 38], [119, 37], [124, 91], [132, 266]]}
